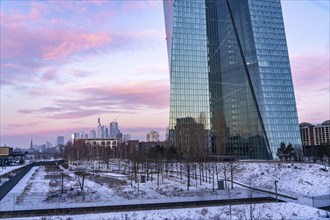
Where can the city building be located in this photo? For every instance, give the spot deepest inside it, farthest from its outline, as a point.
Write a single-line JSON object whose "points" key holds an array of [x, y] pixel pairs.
{"points": [[314, 135], [75, 135], [59, 140], [99, 128], [153, 136], [92, 134], [114, 129], [104, 131], [126, 138], [230, 78], [96, 142], [49, 144]]}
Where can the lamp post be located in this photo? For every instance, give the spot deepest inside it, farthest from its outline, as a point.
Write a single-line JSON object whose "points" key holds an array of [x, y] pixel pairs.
{"points": [[276, 190], [62, 182]]}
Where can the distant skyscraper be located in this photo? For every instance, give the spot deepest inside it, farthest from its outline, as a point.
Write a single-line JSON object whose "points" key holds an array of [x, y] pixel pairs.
{"points": [[59, 140], [75, 135], [153, 136], [126, 138], [99, 128], [114, 129], [92, 134], [49, 144], [104, 131], [42, 148], [107, 132], [230, 77]]}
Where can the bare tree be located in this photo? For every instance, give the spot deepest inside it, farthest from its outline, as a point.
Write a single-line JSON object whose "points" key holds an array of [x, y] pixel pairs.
{"points": [[80, 178], [105, 155], [219, 133], [234, 168]]}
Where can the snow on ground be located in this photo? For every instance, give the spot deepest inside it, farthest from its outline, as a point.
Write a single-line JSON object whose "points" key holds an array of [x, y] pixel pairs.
{"points": [[7, 169], [41, 188], [7, 172], [295, 179], [266, 211]]}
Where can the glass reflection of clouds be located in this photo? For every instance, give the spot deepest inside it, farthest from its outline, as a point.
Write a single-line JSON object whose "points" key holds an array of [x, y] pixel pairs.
{"points": [[209, 79]]}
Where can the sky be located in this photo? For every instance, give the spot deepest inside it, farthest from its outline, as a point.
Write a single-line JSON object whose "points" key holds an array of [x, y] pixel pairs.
{"points": [[64, 63]]}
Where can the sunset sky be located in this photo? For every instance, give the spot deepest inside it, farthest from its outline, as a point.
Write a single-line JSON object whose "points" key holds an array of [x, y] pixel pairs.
{"points": [[65, 62]]}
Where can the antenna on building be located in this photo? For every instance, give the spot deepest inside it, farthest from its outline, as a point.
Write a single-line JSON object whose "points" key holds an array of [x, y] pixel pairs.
{"points": [[115, 120]]}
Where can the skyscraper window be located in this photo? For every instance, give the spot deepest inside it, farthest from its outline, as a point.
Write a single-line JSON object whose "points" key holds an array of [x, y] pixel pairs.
{"points": [[231, 85]]}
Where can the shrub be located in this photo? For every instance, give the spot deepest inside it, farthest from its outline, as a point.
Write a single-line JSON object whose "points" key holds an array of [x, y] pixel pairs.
{"points": [[204, 211]]}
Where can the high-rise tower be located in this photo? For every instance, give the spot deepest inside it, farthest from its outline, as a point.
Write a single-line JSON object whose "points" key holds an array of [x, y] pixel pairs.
{"points": [[114, 129], [99, 128], [231, 84]]}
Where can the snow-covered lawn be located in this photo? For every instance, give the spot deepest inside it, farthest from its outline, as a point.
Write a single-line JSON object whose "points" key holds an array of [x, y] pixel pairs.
{"points": [[7, 169], [42, 188], [295, 179], [267, 211], [7, 172]]}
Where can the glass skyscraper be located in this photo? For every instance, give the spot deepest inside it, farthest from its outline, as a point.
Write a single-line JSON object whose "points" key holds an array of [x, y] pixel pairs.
{"points": [[231, 85]]}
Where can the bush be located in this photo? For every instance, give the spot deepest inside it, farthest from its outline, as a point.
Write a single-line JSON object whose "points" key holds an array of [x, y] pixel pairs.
{"points": [[204, 211]]}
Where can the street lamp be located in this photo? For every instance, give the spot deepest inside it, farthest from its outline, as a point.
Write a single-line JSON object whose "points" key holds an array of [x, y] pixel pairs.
{"points": [[62, 182], [276, 190]]}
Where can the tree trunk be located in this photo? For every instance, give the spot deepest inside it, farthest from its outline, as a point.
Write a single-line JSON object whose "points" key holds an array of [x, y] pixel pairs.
{"points": [[188, 176], [232, 175], [213, 180]]}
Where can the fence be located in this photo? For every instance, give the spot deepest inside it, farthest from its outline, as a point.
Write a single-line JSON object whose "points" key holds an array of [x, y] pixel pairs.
{"points": [[7, 186], [315, 201]]}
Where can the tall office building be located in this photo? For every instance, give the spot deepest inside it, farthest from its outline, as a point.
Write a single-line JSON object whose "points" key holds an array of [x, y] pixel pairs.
{"points": [[104, 131], [114, 129], [314, 135], [99, 128], [152, 136], [92, 134], [231, 84], [59, 140]]}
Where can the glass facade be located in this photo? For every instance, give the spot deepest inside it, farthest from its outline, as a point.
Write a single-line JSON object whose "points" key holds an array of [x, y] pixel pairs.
{"points": [[231, 86]]}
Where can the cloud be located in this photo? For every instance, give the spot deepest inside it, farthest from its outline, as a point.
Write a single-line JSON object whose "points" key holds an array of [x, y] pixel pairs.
{"points": [[29, 46], [140, 5], [150, 94], [311, 77], [80, 73], [310, 70], [72, 43], [124, 99], [24, 125], [50, 75]]}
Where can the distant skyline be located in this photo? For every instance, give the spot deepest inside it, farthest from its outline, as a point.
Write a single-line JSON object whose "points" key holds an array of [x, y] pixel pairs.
{"points": [[65, 62]]}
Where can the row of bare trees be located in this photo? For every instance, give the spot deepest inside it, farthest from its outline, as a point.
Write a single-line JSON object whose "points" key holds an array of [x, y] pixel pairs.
{"points": [[188, 158]]}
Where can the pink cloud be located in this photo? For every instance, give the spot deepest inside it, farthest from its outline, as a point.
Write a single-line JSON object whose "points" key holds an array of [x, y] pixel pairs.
{"points": [[311, 77], [81, 73], [310, 69], [24, 125], [140, 5], [49, 75], [151, 94], [27, 50], [35, 13], [72, 43], [124, 99]]}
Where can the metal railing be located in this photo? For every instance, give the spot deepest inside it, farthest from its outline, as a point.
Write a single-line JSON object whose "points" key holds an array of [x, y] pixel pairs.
{"points": [[8, 185]]}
